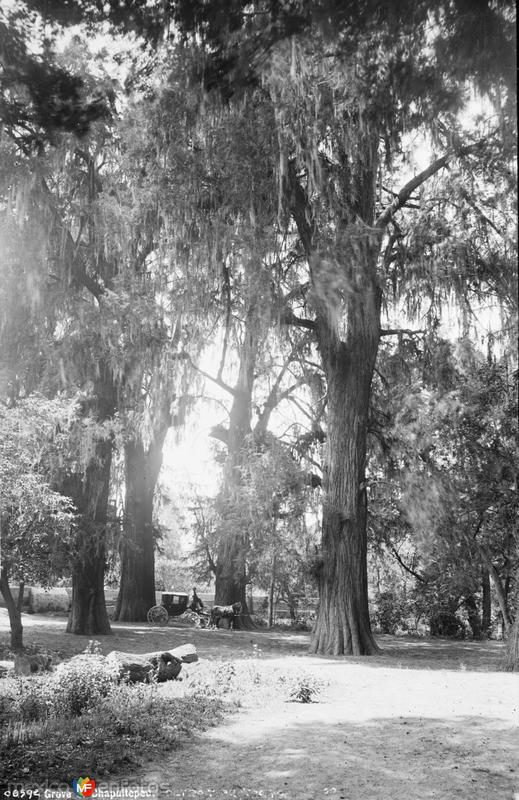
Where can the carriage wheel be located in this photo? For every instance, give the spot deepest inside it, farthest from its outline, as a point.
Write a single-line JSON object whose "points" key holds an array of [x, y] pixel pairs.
{"points": [[158, 615]]}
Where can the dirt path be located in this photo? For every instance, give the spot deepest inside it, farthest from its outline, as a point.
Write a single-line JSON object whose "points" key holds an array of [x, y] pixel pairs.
{"points": [[427, 719], [377, 734]]}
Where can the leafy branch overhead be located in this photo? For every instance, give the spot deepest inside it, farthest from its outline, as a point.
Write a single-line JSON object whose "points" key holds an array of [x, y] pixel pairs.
{"points": [[289, 226]]}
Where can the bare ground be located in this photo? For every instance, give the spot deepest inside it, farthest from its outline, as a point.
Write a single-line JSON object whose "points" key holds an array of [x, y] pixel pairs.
{"points": [[426, 719]]}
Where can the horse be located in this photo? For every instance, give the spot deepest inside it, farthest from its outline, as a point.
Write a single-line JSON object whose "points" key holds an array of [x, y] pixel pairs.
{"points": [[224, 612]]}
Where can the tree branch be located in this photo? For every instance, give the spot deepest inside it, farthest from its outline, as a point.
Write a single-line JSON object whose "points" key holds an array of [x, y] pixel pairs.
{"points": [[400, 332], [276, 400], [299, 292], [71, 249], [219, 382], [227, 293], [272, 399], [220, 433], [479, 212], [405, 193], [298, 205], [404, 565], [287, 317]]}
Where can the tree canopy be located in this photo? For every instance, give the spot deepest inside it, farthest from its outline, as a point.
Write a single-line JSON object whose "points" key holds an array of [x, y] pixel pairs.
{"points": [[303, 190]]}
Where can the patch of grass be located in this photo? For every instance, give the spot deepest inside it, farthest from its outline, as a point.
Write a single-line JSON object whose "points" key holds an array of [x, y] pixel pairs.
{"points": [[32, 648], [56, 724], [250, 680], [122, 729]]}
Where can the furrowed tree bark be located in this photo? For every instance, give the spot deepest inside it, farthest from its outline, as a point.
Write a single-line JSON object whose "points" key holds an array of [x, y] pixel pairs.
{"points": [[88, 615], [231, 573], [512, 650], [271, 592], [90, 493], [231, 580], [347, 329], [473, 616], [486, 614], [137, 587], [342, 625], [142, 467], [498, 586]]}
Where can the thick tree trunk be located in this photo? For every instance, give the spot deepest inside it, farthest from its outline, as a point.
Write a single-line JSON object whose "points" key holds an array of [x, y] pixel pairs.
{"points": [[230, 579], [142, 467], [473, 616], [231, 567], [271, 592], [498, 586], [346, 296], [88, 615], [90, 492], [342, 626], [137, 588], [14, 610], [486, 602], [512, 650]]}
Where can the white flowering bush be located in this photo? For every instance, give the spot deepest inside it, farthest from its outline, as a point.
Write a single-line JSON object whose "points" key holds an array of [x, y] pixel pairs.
{"points": [[24, 699], [203, 682], [130, 709], [35, 699], [80, 684]]}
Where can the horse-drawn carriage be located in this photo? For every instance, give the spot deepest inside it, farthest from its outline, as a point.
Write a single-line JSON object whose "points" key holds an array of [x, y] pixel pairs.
{"points": [[174, 604]]}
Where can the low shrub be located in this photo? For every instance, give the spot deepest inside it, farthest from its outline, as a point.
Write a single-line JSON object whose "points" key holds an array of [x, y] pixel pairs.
{"points": [[127, 710], [81, 682], [389, 612], [114, 731], [446, 624], [34, 699], [24, 699], [76, 686], [303, 622], [301, 687], [212, 680]]}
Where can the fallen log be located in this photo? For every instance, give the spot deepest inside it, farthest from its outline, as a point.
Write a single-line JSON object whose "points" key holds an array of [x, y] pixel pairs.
{"points": [[162, 665], [186, 652]]}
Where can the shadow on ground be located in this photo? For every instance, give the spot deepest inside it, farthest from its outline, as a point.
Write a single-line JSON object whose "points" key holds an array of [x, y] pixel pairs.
{"points": [[380, 759], [49, 632], [425, 719]]}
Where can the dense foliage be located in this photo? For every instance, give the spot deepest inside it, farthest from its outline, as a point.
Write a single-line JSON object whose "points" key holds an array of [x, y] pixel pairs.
{"points": [[37, 521], [281, 189]]}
